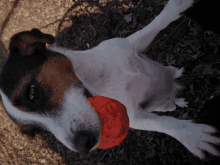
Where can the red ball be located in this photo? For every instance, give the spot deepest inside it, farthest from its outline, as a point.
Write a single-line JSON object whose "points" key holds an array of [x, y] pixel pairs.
{"points": [[114, 120]]}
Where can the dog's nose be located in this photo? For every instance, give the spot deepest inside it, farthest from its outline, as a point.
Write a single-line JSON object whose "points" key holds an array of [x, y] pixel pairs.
{"points": [[85, 141]]}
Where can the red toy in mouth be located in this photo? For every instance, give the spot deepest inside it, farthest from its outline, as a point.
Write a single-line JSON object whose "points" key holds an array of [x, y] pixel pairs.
{"points": [[114, 120]]}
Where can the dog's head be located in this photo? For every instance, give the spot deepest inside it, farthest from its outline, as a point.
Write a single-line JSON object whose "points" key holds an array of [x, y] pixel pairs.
{"points": [[40, 90]]}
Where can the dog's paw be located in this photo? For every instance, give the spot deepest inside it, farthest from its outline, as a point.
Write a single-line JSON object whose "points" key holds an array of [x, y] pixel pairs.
{"points": [[178, 6], [181, 102], [203, 132], [177, 72], [198, 138]]}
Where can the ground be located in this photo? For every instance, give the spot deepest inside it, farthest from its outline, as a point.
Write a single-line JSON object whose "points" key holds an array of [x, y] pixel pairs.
{"points": [[81, 26]]}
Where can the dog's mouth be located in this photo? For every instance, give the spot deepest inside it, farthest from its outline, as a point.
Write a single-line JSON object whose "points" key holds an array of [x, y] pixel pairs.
{"points": [[87, 93]]}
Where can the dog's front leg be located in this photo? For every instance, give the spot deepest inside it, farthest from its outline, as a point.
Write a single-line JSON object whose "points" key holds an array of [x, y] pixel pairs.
{"points": [[141, 39], [195, 137]]}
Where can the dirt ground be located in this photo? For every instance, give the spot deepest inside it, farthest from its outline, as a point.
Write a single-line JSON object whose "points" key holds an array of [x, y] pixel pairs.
{"points": [[79, 25]]}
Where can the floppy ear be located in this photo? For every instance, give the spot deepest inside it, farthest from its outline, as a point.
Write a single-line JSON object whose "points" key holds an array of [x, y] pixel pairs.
{"points": [[26, 43]]}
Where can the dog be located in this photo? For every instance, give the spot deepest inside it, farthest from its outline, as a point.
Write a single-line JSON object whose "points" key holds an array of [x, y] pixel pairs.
{"points": [[47, 87]]}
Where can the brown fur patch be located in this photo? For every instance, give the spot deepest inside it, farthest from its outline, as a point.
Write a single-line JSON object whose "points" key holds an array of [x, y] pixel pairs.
{"points": [[57, 74]]}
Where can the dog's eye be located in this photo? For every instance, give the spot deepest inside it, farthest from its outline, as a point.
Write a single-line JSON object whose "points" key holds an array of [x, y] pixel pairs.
{"points": [[33, 93]]}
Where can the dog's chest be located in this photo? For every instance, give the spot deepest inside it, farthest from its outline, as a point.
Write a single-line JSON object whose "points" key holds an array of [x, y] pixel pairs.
{"points": [[113, 75], [112, 69]]}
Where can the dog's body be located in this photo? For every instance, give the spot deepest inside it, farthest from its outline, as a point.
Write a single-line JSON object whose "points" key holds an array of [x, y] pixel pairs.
{"points": [[44, 88]]}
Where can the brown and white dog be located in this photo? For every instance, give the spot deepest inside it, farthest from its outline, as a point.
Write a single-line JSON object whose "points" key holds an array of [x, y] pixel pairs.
{"points": [[48, 87]]}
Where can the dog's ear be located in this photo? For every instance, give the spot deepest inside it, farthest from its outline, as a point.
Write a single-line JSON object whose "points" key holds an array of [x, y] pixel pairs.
{"points": [[26, 43]]}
